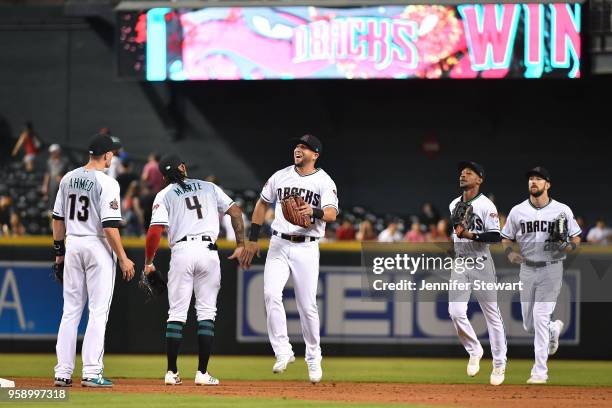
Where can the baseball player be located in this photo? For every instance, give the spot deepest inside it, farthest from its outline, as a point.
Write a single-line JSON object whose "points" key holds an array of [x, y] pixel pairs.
{"points": [[294, 250], [87, 214], [474, 229], [190, 209], [534, 225]]}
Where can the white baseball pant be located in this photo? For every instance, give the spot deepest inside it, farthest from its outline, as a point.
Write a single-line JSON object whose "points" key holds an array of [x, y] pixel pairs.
{"points": [[194, 269], [301, 260], [89, 278], [541, 287], [457, 309]]}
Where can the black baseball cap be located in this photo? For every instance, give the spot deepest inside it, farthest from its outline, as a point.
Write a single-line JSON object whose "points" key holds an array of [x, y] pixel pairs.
{"points": [[169, 162], [101, 144], [311, 141], [471, 165], [540, 172]]}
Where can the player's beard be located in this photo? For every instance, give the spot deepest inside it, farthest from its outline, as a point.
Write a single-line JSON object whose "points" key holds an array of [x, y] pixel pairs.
{"points": [[536, 193]]}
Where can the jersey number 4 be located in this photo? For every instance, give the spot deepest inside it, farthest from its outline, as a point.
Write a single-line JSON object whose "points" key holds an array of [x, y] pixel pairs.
{"points": [[195, 206], [83, 213]]}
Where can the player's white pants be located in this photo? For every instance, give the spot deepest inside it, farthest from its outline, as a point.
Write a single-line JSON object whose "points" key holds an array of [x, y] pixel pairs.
{"points": [[302, 261], [193, 269], [89, 278], [541, 287], [457, 309]]}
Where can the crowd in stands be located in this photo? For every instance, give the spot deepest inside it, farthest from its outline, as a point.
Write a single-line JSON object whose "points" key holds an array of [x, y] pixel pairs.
{"points": [[28, 188]]}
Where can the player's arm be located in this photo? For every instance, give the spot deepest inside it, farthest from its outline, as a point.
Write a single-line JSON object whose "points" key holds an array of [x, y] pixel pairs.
{"points": [[59, 233], [251, 247], [125, 263], [327, 214], [151, 245], [235, 214]]}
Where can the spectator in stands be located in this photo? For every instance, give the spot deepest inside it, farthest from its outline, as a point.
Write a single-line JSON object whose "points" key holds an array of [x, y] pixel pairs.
{"points": [[391, 233], [57, 166], [10, 224], [599, 234], [415, 234], [132, 210], [583, 227], [366, 232], [440, 233], [126, 176], [146, 203], [345, 232], [31, 145], [151, 174], [429, 215]]}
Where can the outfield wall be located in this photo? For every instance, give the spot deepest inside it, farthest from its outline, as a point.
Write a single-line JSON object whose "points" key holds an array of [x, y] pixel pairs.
{"points": [[30, 310]]}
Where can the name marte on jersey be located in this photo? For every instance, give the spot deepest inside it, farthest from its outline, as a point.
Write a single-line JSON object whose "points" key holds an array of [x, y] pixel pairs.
{"points": [[189, 188], [81, 184], [308, 196], [528, 227]]}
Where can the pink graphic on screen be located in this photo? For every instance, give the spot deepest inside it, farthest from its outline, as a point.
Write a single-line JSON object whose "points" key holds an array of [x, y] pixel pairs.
{"points": [[416, 41]]}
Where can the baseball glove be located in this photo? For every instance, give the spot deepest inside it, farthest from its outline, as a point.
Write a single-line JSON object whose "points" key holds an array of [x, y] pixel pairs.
{"points": [[560, 233], [462, 215], [290, 205], [58, 272], [153, 284]]}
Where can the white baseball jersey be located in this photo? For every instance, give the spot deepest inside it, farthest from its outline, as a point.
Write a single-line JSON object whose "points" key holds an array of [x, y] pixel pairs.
{"points": [[530, 226], [86, 199], [484, 219], [191, 211], [317, 189]]}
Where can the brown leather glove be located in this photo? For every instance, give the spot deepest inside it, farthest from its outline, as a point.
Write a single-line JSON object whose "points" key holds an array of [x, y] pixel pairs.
{"points": [[290, 205]]}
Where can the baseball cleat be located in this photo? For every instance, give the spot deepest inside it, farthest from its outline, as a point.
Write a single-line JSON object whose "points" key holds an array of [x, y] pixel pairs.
{"points": [[498, 375], [205, 379], [555, 329], [172, 378], [534, 379], [473, 366], [96, 382], [315, 373], [282, 362], [62, 382]]}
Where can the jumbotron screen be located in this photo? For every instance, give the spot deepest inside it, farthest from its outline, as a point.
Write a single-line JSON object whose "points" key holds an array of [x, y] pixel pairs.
{"points": [[394, 42]]}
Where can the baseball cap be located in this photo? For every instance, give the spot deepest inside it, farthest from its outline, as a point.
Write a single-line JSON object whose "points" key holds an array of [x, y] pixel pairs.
{"points": [[540, 172], [169, 162], [54, 148], [101, 144], [471, 165], [311, 141]]}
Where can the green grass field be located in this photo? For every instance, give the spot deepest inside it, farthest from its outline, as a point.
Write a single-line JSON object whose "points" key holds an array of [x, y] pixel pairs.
{"points": [[336, 369]]}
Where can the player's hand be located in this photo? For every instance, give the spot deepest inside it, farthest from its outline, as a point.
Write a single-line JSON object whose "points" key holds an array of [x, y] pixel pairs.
{"points": [[59, 259], [127, 268], [251, 248], [149, 268], [305, 210], [459, 230], [515, 258], [237, 254]]}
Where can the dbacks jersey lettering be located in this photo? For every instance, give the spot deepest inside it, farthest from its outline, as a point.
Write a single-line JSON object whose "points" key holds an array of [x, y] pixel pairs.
{"points": [[484, 219], [317, 189], [530, 227]]}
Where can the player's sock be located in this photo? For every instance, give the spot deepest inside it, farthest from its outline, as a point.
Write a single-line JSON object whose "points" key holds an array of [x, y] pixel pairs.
{"points": [[206, 333], [174, 336]]}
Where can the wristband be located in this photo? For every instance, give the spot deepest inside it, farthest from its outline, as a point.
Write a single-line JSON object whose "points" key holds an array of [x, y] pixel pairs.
{"points": [[508, 250], [317, 213], [254, 233], [59, 247]]}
